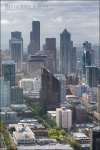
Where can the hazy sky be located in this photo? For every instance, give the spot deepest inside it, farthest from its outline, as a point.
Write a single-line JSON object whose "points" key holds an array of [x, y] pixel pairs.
{"points": [[80, 18]]}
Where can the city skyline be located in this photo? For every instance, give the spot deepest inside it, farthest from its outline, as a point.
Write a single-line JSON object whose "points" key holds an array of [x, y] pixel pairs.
{"points": [[81, 19]]}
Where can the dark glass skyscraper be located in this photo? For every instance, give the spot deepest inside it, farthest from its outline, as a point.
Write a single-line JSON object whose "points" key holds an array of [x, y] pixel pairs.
{"points": [[50, 90], [95, 138], [51, 54], [16, 35], [8, 71], [86, 56], [92, 76], [65, 52], [35, 34], [16, 47]]}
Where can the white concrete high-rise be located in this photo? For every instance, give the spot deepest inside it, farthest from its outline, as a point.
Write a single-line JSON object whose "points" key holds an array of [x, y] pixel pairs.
{"points": [[62, 80], [64, 118], [4, 94]]}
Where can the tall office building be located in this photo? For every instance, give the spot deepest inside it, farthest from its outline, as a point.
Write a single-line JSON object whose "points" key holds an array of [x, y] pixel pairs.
{"points": [[4, 94], [86, 58], [8, 71], [98, 99], [50, 90], [87, 46], [32, 48], [50, 51], [95, 138], [64, 118], [34, 64], [92, 57], [65, 52], [0, 63], [73, 59], [35, 37], [51, 44], [16, 95], [62, 80], [92, 76], [16, 47]]}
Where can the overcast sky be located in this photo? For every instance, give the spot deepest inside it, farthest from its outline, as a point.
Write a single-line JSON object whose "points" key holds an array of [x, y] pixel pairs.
{"points": [[80, 18]]}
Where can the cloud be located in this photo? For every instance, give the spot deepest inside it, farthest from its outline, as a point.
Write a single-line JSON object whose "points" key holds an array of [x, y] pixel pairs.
{"points": [[80, 18], [57, 19], [4, 22]]}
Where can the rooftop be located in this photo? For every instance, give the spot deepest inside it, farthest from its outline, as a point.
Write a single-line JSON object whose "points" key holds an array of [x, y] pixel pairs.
{"points": [[8, 62], [45, 147], [79, 135], [18, 105]]}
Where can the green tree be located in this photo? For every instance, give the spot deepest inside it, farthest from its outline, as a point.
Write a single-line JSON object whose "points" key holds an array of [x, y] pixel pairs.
{"points": [[62, 132]]}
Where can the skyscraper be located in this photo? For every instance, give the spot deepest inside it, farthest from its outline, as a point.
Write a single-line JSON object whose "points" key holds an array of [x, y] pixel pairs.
{"points": [[86, 58], [4, 94], [34, 64], [16, 47], [65, 52], [95, 138], [51, 44], [8, 71], [92, 76], [98, 99], [50, 51], [87, 46], [50, 90], [62, 80], [35, 34], [73, 59], [92, 57], [16, 95]]}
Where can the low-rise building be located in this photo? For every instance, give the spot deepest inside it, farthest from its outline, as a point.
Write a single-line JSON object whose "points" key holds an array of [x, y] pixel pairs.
{"points": [[82, 139], [89, 107], [48, 146], [23, 135], [89, 97], [8, 116], [52, 115], [18, 107]]}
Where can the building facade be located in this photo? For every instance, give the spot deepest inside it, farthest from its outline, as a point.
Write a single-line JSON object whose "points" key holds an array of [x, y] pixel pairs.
{"points": [[95, 138], [86, 58], [98, 99], [92, 76], [35, 37], [4, 94], [16, 95], [50, 51], [64, 118], [50, 90], [35, 62], [65, 52], [8, 71], [16, 47], [73, 59], [80, 114], [27, 84], [62, 80]]}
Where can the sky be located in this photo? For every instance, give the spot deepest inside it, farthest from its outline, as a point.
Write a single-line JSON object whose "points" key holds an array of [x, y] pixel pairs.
{"points": [[80, 18]]}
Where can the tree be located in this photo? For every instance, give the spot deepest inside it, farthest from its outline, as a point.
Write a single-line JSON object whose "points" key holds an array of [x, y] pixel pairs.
{"points": [[62, 132]]}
